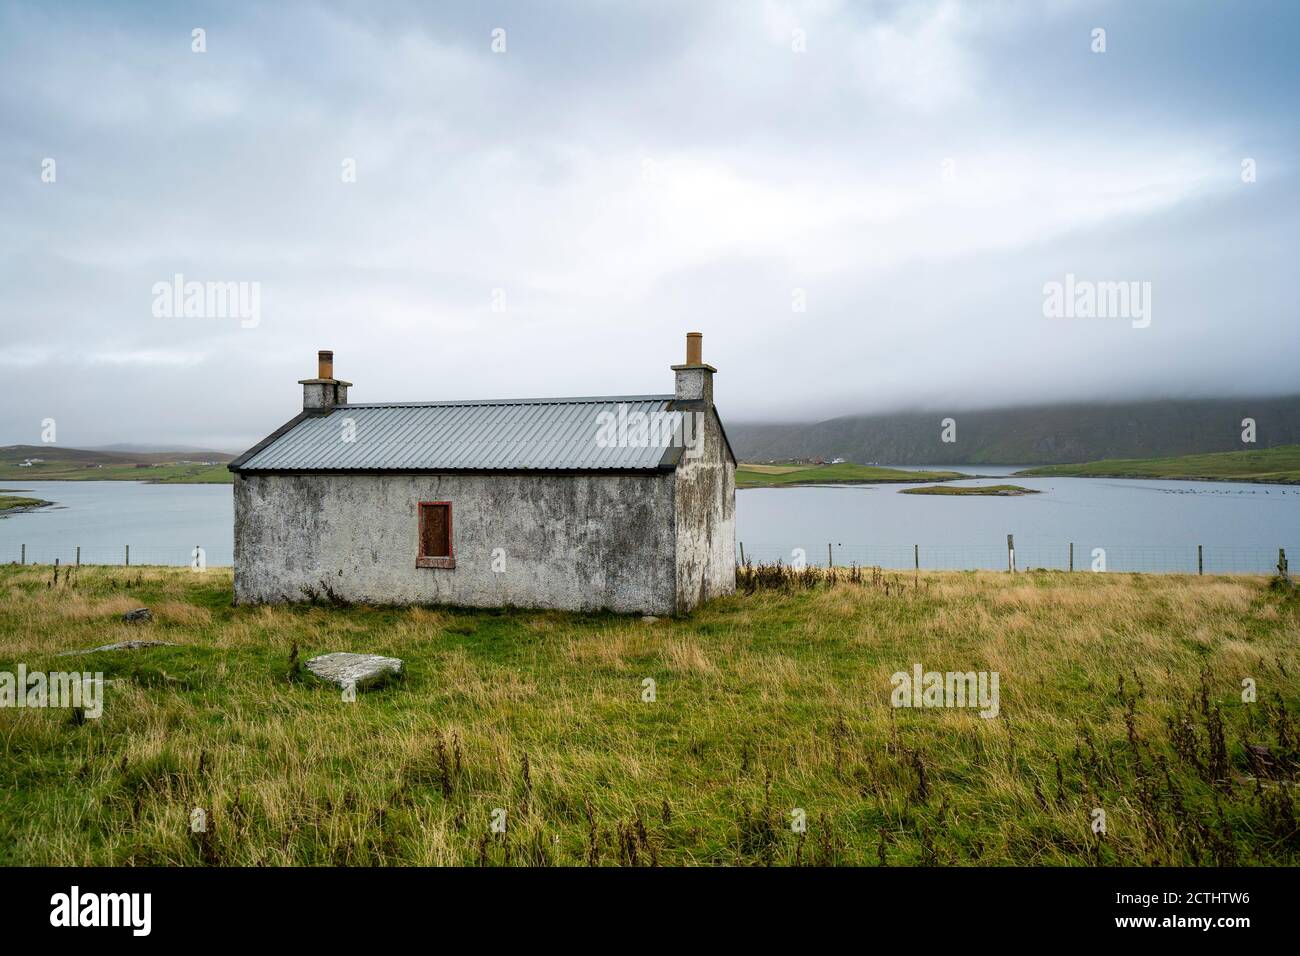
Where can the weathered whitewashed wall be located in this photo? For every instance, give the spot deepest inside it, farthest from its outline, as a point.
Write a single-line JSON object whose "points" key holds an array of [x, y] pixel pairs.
{"points": [[586, 542], [705, 516]]}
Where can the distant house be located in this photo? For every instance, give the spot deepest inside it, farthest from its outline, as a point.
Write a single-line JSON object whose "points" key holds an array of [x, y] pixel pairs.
{"points": [[625, 503], [837, 461]]}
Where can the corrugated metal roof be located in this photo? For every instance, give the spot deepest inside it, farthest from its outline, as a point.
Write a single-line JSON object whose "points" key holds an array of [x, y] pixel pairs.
{"points": [[557, 434]]}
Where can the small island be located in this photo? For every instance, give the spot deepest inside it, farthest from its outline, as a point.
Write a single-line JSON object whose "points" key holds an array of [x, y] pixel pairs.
{"points": [[13, 504], [793, 474], [991, 491]]}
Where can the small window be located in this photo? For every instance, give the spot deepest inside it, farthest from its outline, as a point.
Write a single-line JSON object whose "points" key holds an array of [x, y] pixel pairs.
{"points": [[435, 536]]}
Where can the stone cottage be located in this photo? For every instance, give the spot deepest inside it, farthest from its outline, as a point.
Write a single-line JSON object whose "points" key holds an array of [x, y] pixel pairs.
{"points": [[623, 503]]}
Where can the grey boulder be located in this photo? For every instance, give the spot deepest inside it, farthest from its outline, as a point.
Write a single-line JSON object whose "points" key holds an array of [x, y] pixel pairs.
{"points": [[121, 646], [139, 614], [354, 670]]}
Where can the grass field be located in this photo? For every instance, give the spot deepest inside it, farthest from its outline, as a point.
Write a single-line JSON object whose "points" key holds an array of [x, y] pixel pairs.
{"points": [[1277, 465], [773, 469], [992, 491], [77, 471], [1118, 692], [765, 476], [59, 463]]}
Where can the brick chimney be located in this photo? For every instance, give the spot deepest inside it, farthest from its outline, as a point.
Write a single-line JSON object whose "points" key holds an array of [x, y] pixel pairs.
{"points": [[324, 391], [694, 378]]}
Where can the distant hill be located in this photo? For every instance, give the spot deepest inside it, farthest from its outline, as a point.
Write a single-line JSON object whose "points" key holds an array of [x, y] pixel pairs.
{"points": [[112, 455], [1029, 435], [131, 448], [57, 463]]}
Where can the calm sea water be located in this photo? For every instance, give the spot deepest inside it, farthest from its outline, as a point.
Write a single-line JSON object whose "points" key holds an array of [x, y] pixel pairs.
{"points": [[162, 523], [1139, 525]]}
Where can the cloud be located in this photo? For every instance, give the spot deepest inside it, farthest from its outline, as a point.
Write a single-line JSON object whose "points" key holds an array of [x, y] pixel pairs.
{"points": [[552, 219], [146, 357]]}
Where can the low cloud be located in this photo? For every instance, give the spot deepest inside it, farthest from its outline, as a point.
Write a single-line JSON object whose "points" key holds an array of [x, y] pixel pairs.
{"points": [[552, 219]]}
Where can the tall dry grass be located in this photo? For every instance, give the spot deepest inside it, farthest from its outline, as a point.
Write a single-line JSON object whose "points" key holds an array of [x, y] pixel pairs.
{"points": [[1118, 692]]}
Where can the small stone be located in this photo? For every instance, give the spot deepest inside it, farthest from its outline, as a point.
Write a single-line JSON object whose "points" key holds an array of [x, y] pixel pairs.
{"points": [[139, 614], [121, 646], [355, 670], [648, 618]]}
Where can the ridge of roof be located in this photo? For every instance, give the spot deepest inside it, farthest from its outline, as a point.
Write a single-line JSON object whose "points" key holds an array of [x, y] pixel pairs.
{"points": [[585, 400]]}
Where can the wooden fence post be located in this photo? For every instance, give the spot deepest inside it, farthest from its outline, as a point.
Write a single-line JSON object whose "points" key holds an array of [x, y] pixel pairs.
{"points": [[128, 555], [1282, 570], [830, 556], [1071, 555], [78, 555], [1011, 553], [24, 558], [1200, 559], [916, 556], [742, 552]]}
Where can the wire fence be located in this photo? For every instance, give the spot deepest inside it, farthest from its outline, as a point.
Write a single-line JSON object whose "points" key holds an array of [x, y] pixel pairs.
{"points": [[179, 556], [1170, 559], [1173, 559]]}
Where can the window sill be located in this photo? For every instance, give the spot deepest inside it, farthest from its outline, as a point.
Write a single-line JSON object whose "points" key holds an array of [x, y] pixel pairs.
{"points": [[435, 562]]}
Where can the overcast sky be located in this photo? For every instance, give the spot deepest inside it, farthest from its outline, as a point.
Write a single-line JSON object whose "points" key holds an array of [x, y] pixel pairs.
{"points": [[551, 219]]}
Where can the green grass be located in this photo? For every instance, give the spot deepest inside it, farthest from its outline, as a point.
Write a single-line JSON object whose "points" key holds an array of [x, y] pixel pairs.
{"points": [[772, 469], [1121, 692], [767, 476], [16, 501], [1279, 465], [995, 491], [78, 471]]}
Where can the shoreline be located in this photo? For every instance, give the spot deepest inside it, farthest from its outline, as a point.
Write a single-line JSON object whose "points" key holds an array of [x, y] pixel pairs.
{"points": [[1280, 482], [138, 481], [20, 509], [848, 482], [117, 481], [823, 482], [1283, 482]]}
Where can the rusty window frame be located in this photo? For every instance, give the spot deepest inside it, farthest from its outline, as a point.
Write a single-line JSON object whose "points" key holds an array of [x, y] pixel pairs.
{"points": [[423, 560]]}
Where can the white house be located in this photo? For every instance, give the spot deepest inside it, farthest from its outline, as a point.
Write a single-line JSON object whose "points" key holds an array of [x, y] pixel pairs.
{"points": [[624, 503]]}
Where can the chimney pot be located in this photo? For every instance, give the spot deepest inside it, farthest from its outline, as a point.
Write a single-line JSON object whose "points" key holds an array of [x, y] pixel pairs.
{"points": [[694, 378], [324, 391], [694, 348]]}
